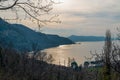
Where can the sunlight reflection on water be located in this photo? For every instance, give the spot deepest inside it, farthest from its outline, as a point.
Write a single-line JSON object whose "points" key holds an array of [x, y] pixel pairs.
{"points": [[76, 51]]}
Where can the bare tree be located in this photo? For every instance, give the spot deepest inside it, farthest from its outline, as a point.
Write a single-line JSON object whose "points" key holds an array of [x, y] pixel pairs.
{"points": [[107, 55], [111, 54], [34, 10]]}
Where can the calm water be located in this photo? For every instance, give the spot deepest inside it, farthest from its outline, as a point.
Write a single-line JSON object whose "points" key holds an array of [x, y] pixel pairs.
{"points": [[76, 51]]}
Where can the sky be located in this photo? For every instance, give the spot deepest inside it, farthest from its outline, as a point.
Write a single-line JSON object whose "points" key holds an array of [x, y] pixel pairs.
{"points": [[83, 17], [86, 17]]}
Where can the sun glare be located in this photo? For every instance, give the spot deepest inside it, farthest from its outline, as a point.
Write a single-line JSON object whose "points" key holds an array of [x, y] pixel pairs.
{"points": [[62, 0]]}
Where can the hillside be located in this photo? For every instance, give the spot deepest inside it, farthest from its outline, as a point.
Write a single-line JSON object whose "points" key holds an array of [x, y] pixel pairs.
{"points": [[22, 38], [86, 38]]}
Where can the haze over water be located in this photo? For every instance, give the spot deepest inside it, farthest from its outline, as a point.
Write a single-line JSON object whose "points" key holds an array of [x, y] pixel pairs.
{"points": [[76, 51]]}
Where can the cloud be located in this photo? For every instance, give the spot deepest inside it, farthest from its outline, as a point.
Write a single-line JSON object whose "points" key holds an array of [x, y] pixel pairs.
{"points": [[85, 17]]}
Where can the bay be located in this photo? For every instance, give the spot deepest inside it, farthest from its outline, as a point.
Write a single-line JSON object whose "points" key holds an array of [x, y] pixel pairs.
{"points": [[77, 51]]}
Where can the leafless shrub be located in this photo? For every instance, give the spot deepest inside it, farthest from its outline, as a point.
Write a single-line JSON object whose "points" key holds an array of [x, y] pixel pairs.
{"points": [[19, 67]]}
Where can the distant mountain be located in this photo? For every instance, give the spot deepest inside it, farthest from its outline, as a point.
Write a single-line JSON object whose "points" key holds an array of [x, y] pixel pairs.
{"points": [[22, 38], [86, 38]]}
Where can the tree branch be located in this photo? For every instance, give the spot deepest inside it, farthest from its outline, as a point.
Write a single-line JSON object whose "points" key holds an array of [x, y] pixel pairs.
{"points": [[5, 8]]}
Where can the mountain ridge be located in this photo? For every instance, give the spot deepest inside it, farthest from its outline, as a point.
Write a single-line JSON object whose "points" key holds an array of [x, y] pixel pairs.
{"points": [[86, 38], [22, 38]]}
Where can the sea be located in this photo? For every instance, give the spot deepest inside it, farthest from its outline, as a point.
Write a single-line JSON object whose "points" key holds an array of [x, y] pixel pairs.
{"points": [[80, 52]]}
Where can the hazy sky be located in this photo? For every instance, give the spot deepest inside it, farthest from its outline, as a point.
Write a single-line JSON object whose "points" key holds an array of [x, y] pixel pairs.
{"points": [[86, 17]]}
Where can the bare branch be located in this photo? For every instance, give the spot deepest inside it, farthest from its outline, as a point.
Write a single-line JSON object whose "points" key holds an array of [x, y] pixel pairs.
{"points": [[33, 10], [9, 7]]}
